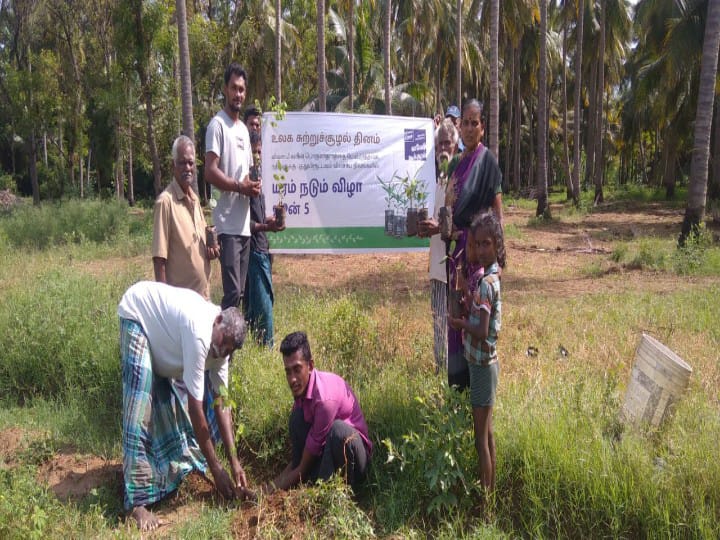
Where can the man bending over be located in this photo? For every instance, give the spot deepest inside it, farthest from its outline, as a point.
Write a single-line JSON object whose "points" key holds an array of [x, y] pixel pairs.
{"points": [[173, 333]]}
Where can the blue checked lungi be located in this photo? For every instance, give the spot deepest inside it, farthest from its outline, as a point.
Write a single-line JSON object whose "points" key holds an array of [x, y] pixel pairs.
{"points": [[259, 297], [159, 445]]}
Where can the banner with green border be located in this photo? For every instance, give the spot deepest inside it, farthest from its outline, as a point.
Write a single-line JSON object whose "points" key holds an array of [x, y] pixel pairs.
{"points": [[339, 175]]}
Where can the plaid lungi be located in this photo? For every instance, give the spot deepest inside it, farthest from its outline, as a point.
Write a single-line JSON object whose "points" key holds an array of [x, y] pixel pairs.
{"points": [[159, 445]]}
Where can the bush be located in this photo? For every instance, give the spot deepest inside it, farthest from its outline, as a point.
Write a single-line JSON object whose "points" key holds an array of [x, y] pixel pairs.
{"points": [[7, 182], [437, 458], [60, 340], [691, 256], [39, 227]]}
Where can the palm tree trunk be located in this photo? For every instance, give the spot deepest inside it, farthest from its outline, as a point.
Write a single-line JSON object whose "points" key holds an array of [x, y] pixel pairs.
{"points": [[119, 179], [185, 78], [669, 158], [591, 132], [599, 161], [714, 182], [131, 180], [518, 122], [511, 101], [351, 53], [386, 56], [278, 52], [542, 186], [494, 80], [697, 189], [458, 64], [530, 161], [566, 144], [32, 165], [577, 121], [322, 83]]}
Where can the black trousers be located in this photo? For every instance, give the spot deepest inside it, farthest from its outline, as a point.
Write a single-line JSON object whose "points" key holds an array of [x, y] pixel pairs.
{"points": [[234, 260], [344, 449]]}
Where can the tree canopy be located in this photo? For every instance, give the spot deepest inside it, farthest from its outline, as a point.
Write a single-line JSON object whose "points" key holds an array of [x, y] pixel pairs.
{"points": [[91, 92]]}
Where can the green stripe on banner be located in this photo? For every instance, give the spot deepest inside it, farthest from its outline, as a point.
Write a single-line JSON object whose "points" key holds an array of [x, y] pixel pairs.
{"points": [[342, 238]]}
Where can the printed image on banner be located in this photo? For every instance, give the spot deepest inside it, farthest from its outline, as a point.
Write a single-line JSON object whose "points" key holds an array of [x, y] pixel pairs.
{"points": [[415, 146], [346, 181]]}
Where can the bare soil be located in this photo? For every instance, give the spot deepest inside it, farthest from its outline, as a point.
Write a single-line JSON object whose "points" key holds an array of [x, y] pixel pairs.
{"points": [[12, 440], [73, 477]]}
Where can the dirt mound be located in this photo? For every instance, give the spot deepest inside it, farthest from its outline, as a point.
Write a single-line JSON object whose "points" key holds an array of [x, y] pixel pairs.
{"points": [[72, 477], [12, 440], [278, 515]]}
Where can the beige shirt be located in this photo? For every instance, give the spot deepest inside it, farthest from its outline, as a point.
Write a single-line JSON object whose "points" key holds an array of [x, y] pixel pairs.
{"points": [[179, 237]]}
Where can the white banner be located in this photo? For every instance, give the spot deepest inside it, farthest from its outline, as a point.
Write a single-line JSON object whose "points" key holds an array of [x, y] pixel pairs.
{"points": [[340, 173]]}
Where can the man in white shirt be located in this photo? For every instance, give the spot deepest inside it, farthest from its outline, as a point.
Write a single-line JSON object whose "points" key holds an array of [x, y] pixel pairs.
{"points": [[228, 158], [173, 333]]}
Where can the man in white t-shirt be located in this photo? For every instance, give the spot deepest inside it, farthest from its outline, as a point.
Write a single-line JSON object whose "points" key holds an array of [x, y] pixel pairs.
{"points": [[173, 333], [228, 158]]}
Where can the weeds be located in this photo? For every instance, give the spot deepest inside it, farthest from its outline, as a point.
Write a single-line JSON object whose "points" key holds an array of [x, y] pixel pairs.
{"points": [[70, 222], [330, 507], [440, 452], [566, 466]]}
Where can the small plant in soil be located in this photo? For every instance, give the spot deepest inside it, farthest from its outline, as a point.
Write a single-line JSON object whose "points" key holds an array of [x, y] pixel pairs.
{"points": [[416, 197], [394, 204], [455, 291], [211, 236]]}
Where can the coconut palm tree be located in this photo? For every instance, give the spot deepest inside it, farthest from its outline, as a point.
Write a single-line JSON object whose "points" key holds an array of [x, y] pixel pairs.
{"points": [[278, 53], [697, 190], [664, 77], [185, 79], [386, 54], [543, 209], [577, 116], [494, 77], [322, 83]]}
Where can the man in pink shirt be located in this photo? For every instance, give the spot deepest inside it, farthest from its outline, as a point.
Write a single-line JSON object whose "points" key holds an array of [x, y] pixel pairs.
{"points": [[327, 428]]}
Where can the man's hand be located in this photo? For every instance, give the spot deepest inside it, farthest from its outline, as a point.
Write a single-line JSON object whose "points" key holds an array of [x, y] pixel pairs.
{"points": [[224, 483], [212, 253], [428, 227], [249, 187], [272, 225], [238, 475]]}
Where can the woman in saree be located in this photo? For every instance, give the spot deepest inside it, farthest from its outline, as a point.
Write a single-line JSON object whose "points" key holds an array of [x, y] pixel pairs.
{"points": [[475, 186]]}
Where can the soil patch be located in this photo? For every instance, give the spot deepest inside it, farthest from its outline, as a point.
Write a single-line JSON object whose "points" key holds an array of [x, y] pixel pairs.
{"points": [[277, 516], [73, 477], [12, 440]]}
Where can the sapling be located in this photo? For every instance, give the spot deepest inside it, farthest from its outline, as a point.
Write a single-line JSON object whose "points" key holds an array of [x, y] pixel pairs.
{"points": [[211, 237], [455, 292]]}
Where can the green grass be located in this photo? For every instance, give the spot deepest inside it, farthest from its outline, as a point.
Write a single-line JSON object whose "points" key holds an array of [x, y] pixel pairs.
{"points": [[566, 467]]}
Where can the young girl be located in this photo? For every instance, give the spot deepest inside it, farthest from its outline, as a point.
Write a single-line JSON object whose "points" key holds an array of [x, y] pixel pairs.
{"points": [[481, 327]]}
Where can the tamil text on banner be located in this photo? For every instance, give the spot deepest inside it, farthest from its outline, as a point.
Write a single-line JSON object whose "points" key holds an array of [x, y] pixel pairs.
{"points": [[347, 180]]}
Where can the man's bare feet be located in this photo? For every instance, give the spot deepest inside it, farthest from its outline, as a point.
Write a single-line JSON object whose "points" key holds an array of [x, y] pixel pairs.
{"points": [[145, 519]]}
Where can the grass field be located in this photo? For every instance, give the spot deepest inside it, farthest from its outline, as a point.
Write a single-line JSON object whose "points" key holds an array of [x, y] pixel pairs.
{"points": [[588, 282]]}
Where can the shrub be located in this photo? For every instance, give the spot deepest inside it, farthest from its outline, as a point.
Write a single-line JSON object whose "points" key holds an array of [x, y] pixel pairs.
{"points": [[691, 256], [40, 227], [435, 458], [60, 340]]}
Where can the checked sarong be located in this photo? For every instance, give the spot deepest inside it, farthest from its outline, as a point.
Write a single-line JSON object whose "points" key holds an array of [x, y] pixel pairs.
{"points": [[159, 445]]}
